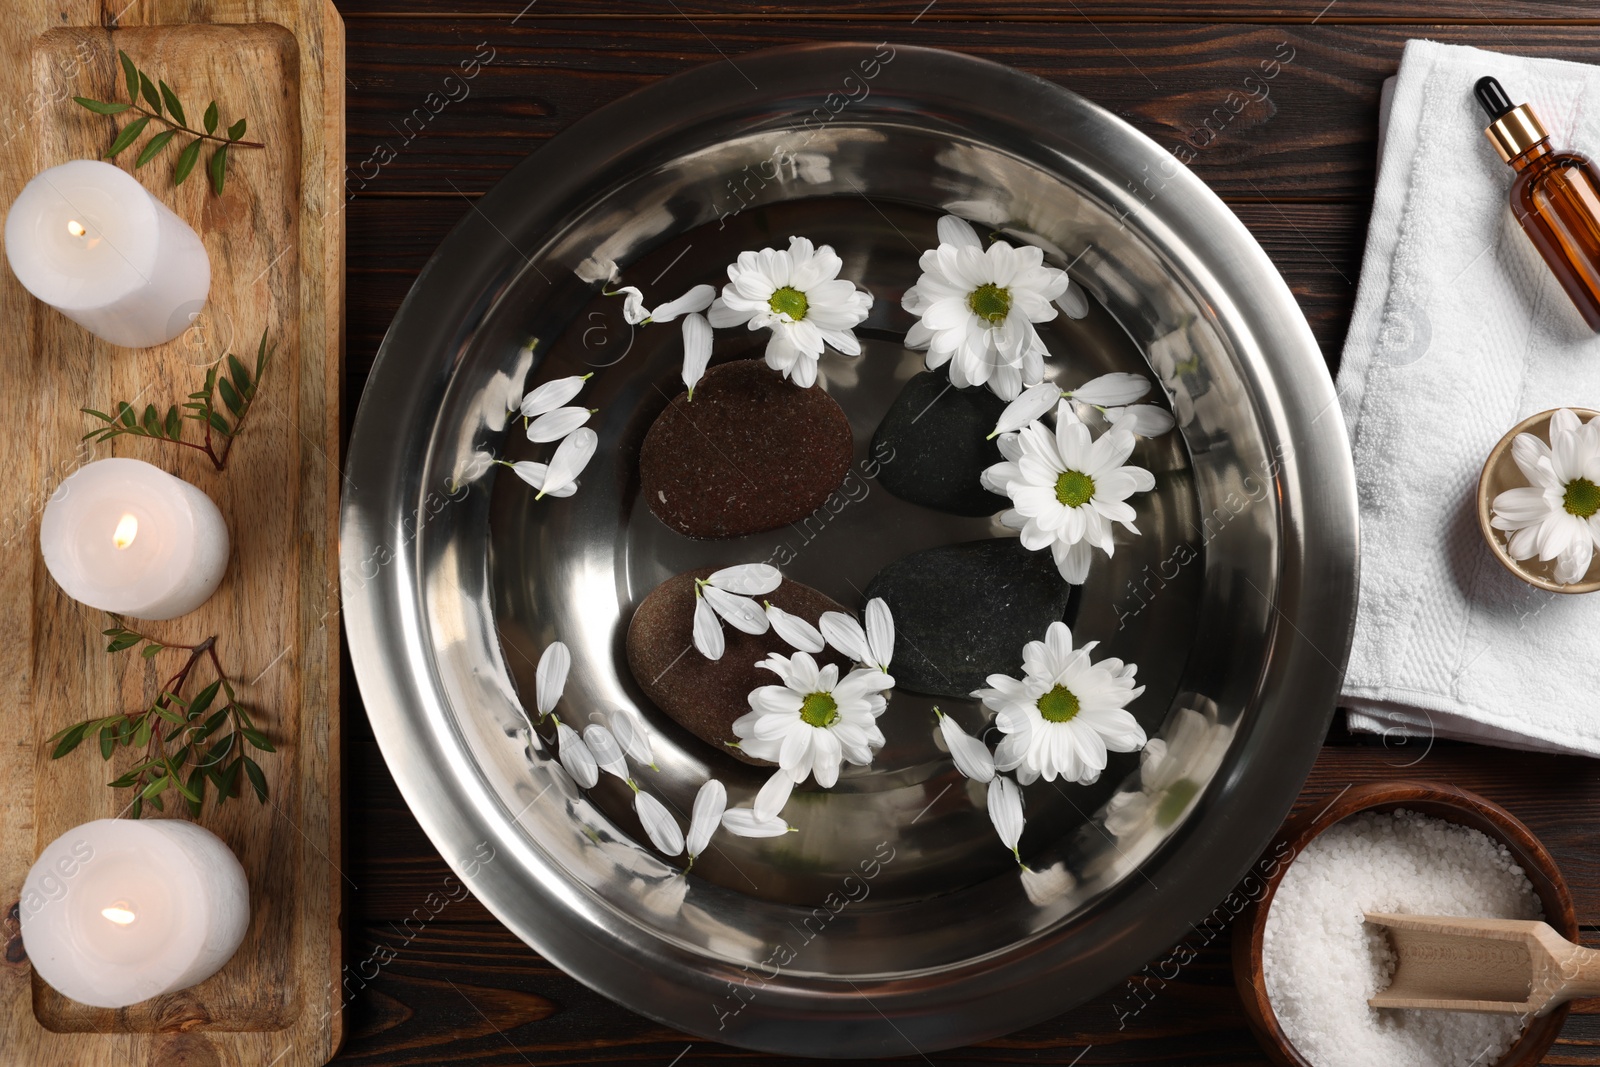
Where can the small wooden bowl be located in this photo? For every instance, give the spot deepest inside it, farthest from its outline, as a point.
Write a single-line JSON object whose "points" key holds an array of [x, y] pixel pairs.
{"points": [[1436, 799], [1500, 472]]}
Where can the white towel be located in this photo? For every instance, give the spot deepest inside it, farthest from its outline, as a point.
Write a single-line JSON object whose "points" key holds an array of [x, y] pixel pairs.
{"points": [[1460, 331]]}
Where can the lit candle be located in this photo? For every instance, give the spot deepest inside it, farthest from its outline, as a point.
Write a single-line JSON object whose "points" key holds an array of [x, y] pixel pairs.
{"points": [[129, 538], [121, 910], [90, 241]]}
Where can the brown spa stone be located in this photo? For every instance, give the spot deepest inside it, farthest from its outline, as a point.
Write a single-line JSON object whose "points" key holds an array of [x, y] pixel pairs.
{"points": [[701, 695], [751, 452]]}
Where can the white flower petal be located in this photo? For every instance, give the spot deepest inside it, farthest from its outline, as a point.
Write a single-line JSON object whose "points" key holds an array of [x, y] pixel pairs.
{"points": [[696, 350], [709, 804], [742, 822], [631, 735], [697, 299], [554, 425], [1030, 405], [707, 630], [880, 633], [633, 309], [1005, 811], [576, 757], [794, 630], [773, 796], [957, 231], [971, 756], [658, 823], [741, 612], [552, 395], [571, 456], [473, 467], [551, 677], [1112, 390], [606, 751], [747, 579], [536, 473], [845, 634], [1142, 420], [1074, 302]]}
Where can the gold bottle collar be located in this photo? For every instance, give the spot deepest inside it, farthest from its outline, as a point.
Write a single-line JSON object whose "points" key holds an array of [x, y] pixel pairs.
{"points": [[1515, 132]]}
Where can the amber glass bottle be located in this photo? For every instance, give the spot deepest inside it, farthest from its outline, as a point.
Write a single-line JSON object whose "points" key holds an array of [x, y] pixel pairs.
{"points": [[1556, 197]]}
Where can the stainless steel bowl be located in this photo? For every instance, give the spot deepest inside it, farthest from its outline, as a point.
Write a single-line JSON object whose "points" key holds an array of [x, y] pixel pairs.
{"points": [[893, 922]]}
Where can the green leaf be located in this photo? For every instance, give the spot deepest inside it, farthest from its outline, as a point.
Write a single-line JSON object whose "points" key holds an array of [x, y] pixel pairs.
{"points": [[153, 147], [100, 108], [240, 376], [202, 700], [258, 739], [219, 423], [211, 117], [103, 417], [228, 785], [186, 161], [262, 353], [174, 425], [156, 802], [71, 739], [108, 741], [172, 104], [127, 136], [168, 714], [141, 733], [188, 791], [151, 421], [150, 651], [136, 808], [124, 781], [130, 73], [126, 413], [218, 168], [197, 788], [122, 641], [236, 131], [258, 781], [148, 91], [230, 397]]}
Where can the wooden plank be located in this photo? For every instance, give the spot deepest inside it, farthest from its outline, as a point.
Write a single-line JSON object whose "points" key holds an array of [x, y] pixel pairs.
{"points": [[1465, 12], [276, 254], [416, 125]]}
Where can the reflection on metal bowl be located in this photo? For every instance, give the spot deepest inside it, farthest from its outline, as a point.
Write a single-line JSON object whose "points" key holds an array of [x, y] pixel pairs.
{"points": [[893, 922]]}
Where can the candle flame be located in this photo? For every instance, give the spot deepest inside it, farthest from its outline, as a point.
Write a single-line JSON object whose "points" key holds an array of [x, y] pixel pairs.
{"points": [[75, 228], [119, 913], [127, 529]]}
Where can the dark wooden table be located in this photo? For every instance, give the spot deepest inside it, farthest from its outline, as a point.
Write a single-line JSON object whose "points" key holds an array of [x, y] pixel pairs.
{"points": [[1296, 166]]}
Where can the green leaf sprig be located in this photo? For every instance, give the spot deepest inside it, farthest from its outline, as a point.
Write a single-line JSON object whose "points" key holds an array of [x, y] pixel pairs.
{"points": [[165, 108], [190, 743], [236, 388]]}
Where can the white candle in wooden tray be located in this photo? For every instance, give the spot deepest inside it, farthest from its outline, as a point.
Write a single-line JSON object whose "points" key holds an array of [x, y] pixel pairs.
{"points": [[89, 240], [129, 538], [121, 910]]}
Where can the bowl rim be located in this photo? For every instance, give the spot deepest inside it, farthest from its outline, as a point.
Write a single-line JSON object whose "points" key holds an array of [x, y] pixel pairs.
{"points": [[1415, 795], [1486, 503], [1293, 699]]}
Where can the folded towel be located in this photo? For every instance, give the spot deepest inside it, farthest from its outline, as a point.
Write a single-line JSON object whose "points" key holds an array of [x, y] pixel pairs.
{"points": [[1460, 331]]}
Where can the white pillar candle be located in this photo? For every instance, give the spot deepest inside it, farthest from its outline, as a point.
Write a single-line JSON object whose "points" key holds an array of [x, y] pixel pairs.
{"points": [[89, 240], [129, 538], [121, 910]]}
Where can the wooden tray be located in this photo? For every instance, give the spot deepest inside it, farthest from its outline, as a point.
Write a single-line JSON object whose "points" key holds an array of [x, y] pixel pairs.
{"points": [[276, 241]]}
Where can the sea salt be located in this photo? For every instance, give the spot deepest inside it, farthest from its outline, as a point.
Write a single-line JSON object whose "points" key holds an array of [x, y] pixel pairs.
{"points": [[1322, 961]]}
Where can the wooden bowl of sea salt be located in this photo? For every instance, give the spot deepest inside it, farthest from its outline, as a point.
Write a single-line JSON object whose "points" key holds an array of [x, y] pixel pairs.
{"points": [[1305, 963]]}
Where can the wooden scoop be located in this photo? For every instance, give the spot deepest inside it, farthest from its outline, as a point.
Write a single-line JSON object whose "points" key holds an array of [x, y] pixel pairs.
{"points": [[1511, 966]]}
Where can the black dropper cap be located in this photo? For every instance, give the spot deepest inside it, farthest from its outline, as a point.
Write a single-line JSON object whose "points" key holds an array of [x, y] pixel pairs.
{"points": [[1492, 97]]}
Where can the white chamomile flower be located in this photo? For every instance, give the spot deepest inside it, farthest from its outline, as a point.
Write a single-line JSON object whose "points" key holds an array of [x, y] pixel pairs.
{"points": [[971, 756], [815, 720], [1065, 714], [636, 314], [1557, 516], [797, 294], [795, 631], [1067, 488], [550, 679], [873, 646], [976, 308], [727, 594], [658, 823], [706, 816], [576, 757], [743, 822], [1005, 811]]}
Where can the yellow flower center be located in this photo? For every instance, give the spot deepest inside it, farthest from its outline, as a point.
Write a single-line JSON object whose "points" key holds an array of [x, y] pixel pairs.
{"points": [[1059, 705], [990, 302], [1074, 489], [1582, 498], [790, 302], [819, 709]]}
